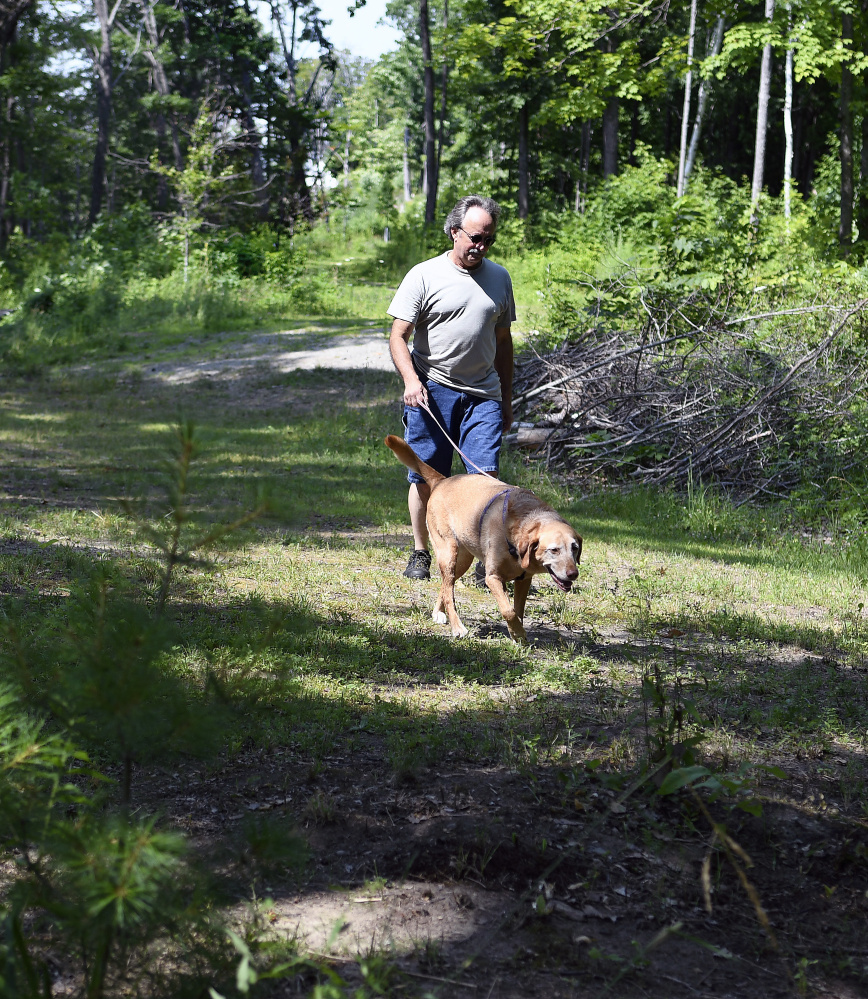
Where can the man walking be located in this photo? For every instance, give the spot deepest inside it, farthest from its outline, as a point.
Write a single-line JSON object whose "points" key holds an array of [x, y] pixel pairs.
{"points": [[459, 308]]}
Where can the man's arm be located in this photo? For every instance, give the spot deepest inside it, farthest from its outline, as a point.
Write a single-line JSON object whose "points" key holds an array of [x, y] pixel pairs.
{"points": [[414, 390], [503, 365]]}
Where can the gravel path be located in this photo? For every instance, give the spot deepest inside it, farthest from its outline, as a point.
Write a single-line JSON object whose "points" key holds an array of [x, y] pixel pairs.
{"points": [[282, 352]]}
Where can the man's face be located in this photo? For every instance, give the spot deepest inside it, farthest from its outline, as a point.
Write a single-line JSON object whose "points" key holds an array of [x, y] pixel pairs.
{"points": [[465, 251]]}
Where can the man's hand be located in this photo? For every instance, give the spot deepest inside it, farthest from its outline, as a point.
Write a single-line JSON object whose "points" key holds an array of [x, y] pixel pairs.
{"points": [[507, 415], [415, 393]]}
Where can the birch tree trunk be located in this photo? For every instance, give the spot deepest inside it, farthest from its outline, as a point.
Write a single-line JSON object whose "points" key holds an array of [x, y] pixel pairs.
{"points": [[788, 130], [845, 225], [685, 117], [762, 119], [701, 103]]}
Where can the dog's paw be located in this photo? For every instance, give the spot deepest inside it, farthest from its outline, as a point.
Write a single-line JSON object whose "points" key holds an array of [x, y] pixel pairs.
{"points": [[517, 633], [439, 617], [460, 631]]}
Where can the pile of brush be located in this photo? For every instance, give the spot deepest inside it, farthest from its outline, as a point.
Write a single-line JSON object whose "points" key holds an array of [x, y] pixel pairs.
{"points": [[750, 403]]}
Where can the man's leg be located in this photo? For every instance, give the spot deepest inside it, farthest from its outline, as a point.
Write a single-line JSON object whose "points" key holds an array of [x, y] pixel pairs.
{"points": [[419, 565], [418, 503], [429, 443]]}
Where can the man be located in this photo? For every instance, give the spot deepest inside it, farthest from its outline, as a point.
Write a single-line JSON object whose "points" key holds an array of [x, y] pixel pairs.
{"points": [[459, 308]]}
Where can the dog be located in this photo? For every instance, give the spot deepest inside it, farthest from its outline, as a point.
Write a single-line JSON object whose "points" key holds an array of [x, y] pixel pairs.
{"points": [[510, 529]]}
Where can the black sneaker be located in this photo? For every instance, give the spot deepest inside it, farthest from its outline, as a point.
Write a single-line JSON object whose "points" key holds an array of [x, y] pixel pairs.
{"points": [[479, 576], [419, 566]]}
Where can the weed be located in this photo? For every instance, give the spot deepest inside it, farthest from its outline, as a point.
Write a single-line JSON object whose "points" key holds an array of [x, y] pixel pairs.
{"points": [[320, 809]]}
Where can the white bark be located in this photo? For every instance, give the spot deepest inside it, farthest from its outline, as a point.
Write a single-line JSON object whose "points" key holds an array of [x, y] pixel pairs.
{"points": [[701, 102], [688, 84], [762, 117], [788, 133]]}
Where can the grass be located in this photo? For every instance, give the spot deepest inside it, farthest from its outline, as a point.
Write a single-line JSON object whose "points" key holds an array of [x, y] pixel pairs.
{"points": [[301, 636]]}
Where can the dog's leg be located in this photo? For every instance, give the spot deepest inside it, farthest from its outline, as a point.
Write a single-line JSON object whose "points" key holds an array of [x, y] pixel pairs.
{"points": [[452, 562], [513, 619], [521, 588]]}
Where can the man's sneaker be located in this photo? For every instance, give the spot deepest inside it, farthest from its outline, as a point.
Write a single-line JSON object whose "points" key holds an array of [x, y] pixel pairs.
{"points": [[419, 566], [479, 576]]}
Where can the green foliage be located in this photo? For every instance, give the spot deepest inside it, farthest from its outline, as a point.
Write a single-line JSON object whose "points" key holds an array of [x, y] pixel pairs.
{"points": [[173, 535], [35, 767], [105, 886]]}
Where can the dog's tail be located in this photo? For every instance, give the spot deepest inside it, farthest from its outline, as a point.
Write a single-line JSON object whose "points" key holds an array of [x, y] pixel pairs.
{"points": [[408, 456]]}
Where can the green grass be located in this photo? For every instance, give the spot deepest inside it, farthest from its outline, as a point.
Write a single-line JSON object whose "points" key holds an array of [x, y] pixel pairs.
{"points": [[299, 635]]}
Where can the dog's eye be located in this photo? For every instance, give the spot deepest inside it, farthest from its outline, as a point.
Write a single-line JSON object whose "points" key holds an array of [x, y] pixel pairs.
{"points": [[554, 550]]}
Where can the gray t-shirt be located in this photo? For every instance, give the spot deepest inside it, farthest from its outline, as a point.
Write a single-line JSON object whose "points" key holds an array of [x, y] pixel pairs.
{"points": [[455, 313]]}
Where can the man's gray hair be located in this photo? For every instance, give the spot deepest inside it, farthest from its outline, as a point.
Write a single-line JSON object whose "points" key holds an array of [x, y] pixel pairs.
{"points": [[455, 218]]}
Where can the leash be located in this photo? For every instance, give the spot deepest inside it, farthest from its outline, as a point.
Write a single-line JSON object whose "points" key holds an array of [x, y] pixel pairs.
{"points": [[461, 454]]}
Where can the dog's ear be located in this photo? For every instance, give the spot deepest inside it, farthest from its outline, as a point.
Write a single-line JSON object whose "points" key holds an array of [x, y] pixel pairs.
{"points": [[525, 554]]}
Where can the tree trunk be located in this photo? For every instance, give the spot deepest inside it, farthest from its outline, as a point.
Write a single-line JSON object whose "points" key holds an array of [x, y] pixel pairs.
{"points": [[257, 162], [701, 102], [685, 116], [523, 160], [845, 225], [863, 157], [347, 138], [161, 81], [6, 169], [444, 92], [788, 129], [10, 12], [762, 118], [430, 146], [584, 162], [103, 65], [610, 138], [408, 193]]}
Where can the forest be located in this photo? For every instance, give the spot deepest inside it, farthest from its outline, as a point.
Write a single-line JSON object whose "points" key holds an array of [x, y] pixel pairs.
{"points": [[238, 756]]}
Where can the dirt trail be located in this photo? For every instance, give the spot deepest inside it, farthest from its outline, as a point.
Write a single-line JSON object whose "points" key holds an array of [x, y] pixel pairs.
{"points": [[291, 350]]}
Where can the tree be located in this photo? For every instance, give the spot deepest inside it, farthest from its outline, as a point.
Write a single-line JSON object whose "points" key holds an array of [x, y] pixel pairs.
{"points": [[685, 117], [430, 149], [788, 122], [102, 62], [762, 114], [702, 100], [845, 225], [209, 178], [295, 112]]}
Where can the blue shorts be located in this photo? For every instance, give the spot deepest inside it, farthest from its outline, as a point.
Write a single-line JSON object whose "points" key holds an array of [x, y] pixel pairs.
{"points": [[474, 423]]}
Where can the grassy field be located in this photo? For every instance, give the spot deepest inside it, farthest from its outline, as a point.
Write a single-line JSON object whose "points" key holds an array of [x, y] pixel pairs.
{"points": [[475, 815]]}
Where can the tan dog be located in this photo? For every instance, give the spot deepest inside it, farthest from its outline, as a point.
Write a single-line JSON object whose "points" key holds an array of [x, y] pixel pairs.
{"points": [[514, 533]]}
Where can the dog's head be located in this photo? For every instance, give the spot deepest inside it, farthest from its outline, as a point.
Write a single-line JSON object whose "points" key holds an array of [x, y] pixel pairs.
{"points": [[553, 547]]}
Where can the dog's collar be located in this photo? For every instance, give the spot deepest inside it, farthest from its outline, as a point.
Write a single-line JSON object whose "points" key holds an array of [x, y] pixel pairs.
{"points": [[505, 494]]}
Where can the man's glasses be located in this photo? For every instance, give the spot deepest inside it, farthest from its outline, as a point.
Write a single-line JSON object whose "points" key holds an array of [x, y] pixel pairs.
{"points": [[478, 239]]}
